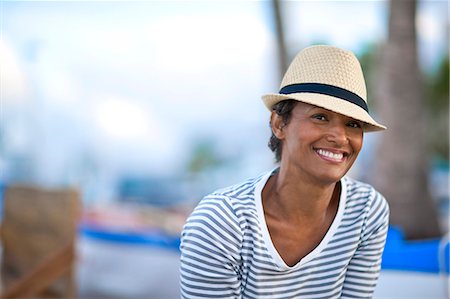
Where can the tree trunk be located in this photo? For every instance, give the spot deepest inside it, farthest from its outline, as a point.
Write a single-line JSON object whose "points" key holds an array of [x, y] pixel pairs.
{"points": [[400, 173], [281, 45]]}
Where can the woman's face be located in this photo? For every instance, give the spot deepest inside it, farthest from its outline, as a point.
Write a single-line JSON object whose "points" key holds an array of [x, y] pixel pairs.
{"points": [[321, 145]]}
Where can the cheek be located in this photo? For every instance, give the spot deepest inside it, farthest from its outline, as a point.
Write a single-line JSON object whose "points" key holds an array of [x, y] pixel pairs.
{"points": [[357, 143], [293, 142], [300, 138]]}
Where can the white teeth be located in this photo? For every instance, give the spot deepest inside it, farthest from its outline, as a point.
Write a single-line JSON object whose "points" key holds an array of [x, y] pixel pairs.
{"points": [[330, 154]]}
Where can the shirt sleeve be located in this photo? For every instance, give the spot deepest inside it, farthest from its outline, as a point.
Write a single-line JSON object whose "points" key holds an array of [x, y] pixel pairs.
{"points": [[210, 251], [364, 267]]}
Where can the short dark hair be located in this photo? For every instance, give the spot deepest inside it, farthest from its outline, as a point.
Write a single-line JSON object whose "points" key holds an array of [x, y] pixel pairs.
{"points": [[283, 109]]}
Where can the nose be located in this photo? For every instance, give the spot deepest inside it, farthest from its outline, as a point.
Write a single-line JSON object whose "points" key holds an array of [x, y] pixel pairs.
{"points": [[337, 134]]}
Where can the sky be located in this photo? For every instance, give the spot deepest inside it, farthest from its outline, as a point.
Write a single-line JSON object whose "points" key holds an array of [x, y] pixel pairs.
{"points": [[109, 87]]}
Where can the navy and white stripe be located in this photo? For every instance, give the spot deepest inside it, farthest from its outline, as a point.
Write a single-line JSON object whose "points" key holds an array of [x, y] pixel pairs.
{"points": [[226, 250]]}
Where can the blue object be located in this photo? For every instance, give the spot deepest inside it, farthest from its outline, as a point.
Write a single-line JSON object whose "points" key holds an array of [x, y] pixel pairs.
{"points": [[151, 238], [431, 256]]}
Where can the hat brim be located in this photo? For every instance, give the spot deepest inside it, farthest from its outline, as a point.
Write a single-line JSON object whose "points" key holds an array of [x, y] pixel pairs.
{"points": [[330, 103]]}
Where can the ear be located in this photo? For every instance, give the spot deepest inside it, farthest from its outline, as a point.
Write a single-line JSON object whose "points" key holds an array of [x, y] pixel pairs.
{"points": [[277, 124]]}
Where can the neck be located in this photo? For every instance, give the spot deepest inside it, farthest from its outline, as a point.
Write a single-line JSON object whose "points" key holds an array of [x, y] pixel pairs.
{"points": [[291, 197]]}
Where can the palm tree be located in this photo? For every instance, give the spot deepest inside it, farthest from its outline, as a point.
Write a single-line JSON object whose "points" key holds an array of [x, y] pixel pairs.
{"points": [[281, 44], [402, 161]]}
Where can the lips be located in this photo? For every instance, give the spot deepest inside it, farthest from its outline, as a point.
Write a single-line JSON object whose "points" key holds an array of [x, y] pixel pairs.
{"points": [[331, 156]]}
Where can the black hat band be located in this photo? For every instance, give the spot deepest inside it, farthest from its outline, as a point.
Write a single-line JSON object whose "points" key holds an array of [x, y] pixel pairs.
{"points": [[327, 90]]}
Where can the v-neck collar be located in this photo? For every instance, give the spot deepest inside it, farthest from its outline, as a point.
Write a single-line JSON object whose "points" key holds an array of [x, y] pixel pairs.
{"points": [[265, 231]]}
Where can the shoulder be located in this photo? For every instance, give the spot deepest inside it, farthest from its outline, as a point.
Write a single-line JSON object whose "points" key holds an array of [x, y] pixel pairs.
{"points": [[365, 198], [237, 191], [223, 209], [372, 204], [236, 197], [362, 192]]}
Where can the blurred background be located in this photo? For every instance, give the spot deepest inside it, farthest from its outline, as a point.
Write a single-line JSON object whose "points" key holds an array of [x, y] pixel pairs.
{"points": [[128, 113]]}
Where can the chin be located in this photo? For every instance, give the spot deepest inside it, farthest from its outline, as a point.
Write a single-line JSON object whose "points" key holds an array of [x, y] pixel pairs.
{"points": [[330, 178]]}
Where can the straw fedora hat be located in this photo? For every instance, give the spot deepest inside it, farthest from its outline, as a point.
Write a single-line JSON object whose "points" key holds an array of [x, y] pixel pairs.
{"points": [[330, 78]]}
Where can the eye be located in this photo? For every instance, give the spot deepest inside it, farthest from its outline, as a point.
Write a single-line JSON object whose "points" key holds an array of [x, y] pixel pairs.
{"points": [[320, 116], [354, 124]]}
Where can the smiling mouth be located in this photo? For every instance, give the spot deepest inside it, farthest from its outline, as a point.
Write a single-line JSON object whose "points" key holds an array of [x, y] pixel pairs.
{"points": [[330, 156]]}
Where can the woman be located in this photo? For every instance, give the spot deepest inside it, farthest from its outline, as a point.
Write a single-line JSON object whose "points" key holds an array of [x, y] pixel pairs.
{"points": [[302, 230]]}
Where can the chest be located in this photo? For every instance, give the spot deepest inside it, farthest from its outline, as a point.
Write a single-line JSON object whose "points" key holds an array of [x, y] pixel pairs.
{"points": [[264, 277], [295, 241]]}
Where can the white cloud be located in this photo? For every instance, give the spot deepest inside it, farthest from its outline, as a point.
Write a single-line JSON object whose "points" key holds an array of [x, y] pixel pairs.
{"points": [[191, 44], [432, 30], [345, 24], [14, 85], [430, 22]]}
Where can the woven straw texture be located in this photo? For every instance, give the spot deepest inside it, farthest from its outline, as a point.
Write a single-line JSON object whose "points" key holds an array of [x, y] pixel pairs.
{"points": [[332, 66]]}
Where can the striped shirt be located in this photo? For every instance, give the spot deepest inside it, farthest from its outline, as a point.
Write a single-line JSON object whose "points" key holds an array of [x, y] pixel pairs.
{"points": [[227, 252]]}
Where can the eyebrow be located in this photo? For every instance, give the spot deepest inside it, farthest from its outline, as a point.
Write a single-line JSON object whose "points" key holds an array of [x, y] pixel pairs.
{"points": [[332, 112], [318, 108]]}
